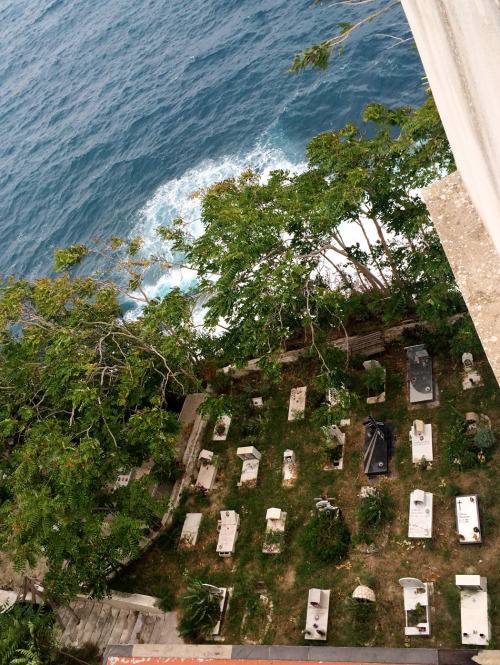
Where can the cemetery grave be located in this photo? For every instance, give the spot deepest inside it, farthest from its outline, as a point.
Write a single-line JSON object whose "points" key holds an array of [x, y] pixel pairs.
{"points": [[379, 441], [221, 428], [190, 529], [374, 377], [420, 520], [421, 442], [289, 469], [228, 527], [474, 609], [250, 468], [416, 606], [288, 576], [275, 531], [471, 377], [207, 471], [420, 376], [468, 523], [318, 604], [297, 407]]}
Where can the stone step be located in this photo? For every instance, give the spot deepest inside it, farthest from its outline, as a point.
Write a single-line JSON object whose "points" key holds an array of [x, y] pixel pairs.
{"points": [[73, 637], [129, 627], [147, 629], [108, 629], [155, 635], [134, 637], [120, 623], [88, 631]]}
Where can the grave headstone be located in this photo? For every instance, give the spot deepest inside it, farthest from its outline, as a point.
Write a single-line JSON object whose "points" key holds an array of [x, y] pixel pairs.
{"points": [[297, 406], [250, 469], [124, 477], [416, 606], [289, 469], [318, 604], [474, 606], [471, 377], [275, 530], [421, 441], [228, 527], [324, 505], [257, 402], [221, 428], [378, 441], [207, 472], [468, 523], [222, 594], [420, 374], [190, 529], [420, 521]]}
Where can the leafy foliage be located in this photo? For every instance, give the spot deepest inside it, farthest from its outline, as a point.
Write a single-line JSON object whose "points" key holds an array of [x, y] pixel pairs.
{"points": [[84, 393], [327, 538], [376, 509], [200, 611], [461, 450], [483, 439]]}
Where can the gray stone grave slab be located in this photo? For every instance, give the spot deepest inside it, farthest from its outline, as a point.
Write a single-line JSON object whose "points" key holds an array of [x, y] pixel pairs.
{"points": [[190, 529], [297, 406]]}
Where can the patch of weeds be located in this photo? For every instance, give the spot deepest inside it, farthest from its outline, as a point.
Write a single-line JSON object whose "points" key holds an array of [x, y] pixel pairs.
{"points": [[453, 490], [327, 538], [376, 509], [165, 597], [488, 525]]}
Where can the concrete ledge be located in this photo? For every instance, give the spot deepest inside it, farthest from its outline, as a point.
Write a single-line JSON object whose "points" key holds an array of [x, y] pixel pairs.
{"points": [[472, 256], [130, 601]]}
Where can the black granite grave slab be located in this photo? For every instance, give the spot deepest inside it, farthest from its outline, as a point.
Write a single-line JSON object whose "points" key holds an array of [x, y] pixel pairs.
{"points": [[419, 374], [378, 446]]}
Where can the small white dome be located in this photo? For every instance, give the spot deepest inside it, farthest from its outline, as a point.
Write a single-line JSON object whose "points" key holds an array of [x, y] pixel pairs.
{"points": [[362, 592]]}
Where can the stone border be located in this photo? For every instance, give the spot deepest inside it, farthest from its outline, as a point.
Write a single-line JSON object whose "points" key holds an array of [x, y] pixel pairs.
{"points": [[316, 654]]}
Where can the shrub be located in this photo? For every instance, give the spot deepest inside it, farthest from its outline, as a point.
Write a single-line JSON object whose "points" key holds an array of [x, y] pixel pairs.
{"points": [[483, 439], [460, 450], [376, 509], [464, 338], [327, 537], [200, 611], [165, 598], [374, 378]]}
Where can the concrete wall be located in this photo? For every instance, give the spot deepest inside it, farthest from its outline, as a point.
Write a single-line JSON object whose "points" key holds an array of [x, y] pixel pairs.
{"points": [[459, 44]]}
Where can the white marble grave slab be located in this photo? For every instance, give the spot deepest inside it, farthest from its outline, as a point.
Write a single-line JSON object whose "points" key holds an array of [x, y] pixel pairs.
{"points": [[468, 525], [206, 476], [297, 407], [289, 468], [276, 521], [420, 521], [190, 529], [421, 444], [416, 594], [224, 421], [228, 532], [318, 604], [474, 605]]}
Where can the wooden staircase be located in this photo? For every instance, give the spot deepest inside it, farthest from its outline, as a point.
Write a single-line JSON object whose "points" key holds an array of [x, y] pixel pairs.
{"points": [[102, 624]]}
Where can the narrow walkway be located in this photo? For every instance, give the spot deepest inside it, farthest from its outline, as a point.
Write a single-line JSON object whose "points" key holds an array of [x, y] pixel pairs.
{"points": [[102, 624]]}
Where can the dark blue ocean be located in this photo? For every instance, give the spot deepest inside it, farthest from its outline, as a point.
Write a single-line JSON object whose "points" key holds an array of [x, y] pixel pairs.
{"points": [[114, 111]]}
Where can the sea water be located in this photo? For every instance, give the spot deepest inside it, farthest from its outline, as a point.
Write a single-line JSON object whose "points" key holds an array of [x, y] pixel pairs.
{"points": [[113, 112]]}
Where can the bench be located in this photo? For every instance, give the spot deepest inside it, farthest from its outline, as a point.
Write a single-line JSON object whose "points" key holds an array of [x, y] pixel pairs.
{"points": [[365, 345]]}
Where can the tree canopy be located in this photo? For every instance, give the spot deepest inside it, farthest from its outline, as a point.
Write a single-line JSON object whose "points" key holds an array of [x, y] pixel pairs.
{"points": [[288, 254], [85, 393]]}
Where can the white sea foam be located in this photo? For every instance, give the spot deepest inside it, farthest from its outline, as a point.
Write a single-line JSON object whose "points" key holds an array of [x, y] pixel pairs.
{"points": [[174, 199]]}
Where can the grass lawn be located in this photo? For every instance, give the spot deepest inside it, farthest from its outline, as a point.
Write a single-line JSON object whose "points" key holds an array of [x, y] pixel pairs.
{"points": [[284, 579]]}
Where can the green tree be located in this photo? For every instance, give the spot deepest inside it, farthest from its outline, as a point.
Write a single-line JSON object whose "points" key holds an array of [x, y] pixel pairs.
{"points": [[317, 56], [85, 393], [270, 250]]}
